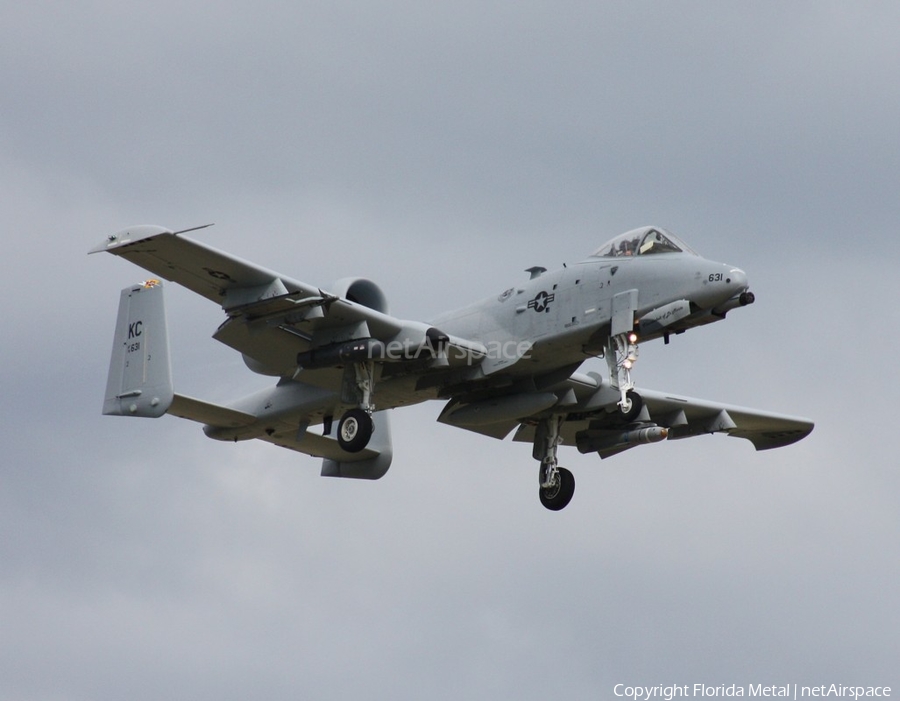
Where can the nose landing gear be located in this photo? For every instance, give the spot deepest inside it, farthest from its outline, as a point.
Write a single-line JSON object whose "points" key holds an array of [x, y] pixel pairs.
{"points": [[621, 353]]}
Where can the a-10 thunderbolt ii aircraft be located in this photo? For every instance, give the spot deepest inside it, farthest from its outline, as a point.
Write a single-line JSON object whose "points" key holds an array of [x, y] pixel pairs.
{"points": [[507, 363]]}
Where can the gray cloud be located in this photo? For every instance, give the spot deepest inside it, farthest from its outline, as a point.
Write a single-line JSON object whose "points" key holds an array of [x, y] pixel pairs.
{"points": [[441, 151]]}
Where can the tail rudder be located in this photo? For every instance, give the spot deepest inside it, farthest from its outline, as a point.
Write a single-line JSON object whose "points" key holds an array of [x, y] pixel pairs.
{"points": [[140, 377]]}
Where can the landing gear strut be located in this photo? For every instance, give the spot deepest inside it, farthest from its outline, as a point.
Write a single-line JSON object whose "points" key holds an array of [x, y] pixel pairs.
{"points": [[621, 353], [356, 425], [557, 484]]}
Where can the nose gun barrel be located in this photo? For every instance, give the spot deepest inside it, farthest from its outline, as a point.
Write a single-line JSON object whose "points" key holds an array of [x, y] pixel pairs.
{"points": [[741, 300]]}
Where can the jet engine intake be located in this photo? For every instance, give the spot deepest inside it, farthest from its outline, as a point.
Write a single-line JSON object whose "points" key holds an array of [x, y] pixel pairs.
{"points": [[361, 291]]}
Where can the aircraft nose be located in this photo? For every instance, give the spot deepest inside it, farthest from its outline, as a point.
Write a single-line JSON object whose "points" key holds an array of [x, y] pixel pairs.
{"points": [[738, 279], [720, 284]]}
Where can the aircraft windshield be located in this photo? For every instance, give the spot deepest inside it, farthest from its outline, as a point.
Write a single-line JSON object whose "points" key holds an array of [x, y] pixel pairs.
{"points": [[641, 242]]}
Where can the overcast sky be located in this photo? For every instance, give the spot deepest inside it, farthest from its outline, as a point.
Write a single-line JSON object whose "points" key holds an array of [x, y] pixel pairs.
{"points": [[442, 149]]}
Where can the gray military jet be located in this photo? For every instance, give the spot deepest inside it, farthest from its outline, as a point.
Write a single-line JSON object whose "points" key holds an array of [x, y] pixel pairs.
{"points": [[507, 363]]}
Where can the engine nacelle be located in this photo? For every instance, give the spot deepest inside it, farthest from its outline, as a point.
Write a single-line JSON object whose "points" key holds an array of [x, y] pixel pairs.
{"points": [[413, 341], [361, 291]]}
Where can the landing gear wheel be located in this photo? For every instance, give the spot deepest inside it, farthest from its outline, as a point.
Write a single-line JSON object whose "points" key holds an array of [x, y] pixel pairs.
{"points": [[637, 404], [355, 430], [559, 494]]}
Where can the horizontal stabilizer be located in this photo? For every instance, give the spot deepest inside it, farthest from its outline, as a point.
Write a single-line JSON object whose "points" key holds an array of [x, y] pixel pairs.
{"points": [[224, 423], [210, 414]]}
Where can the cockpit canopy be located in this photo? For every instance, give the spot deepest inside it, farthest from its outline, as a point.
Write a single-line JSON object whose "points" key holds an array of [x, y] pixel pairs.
{"points": [[642, 242]]}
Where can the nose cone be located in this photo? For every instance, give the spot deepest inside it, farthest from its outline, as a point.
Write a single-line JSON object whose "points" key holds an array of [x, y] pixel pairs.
{"points": [[737, 279], [719, 284]]}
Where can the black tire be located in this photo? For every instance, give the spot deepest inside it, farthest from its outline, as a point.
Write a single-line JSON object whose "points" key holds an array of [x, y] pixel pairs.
{"points": [[560, 494], [637, 404], [354, 430]]}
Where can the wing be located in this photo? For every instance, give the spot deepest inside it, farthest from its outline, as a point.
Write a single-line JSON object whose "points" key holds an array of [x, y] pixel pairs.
{"points": [[270, 317], [220, 277], [593, 423], [686, 417], [681, 417]]}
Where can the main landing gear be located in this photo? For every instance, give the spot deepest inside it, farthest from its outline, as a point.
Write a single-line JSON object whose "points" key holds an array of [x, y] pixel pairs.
{"points": [[354, 430], [560, 492], [557, 484], [356, 426]]}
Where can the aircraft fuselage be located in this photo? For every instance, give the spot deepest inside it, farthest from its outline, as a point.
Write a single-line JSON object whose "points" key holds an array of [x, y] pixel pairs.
{"points": [[566, 313]]}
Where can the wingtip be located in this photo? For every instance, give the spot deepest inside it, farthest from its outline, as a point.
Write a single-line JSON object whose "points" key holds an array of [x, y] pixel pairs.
{"points": [[132, 234]]}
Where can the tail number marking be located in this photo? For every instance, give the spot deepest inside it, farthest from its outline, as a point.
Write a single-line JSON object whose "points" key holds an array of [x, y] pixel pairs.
{"points": [[134, 331]]}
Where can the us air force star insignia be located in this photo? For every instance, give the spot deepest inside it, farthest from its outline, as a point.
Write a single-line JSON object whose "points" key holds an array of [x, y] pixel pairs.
{"points": [[541, 301]]}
